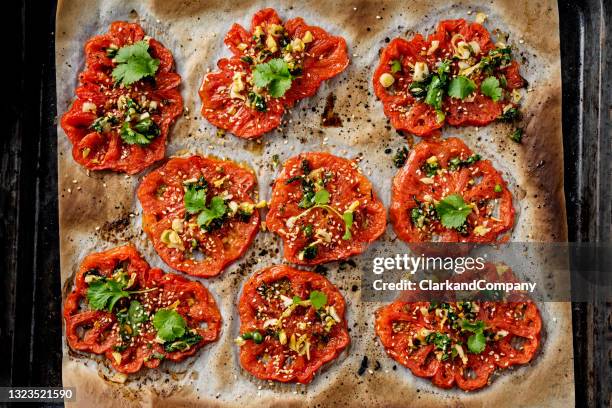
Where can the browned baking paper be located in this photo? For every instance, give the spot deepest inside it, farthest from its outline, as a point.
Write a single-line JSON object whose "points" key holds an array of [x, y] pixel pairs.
{"points": [[99, 210]]}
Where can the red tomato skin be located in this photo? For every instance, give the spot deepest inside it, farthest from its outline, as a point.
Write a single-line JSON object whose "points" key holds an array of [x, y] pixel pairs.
{"points": [[159, 211], [101, 339], [446, 374], [327, 57], [407, 184], [406, 113], [303, 370], [284, 204], [107, 151]]}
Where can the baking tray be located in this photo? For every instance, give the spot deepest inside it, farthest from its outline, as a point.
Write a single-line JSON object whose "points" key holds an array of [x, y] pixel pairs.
{"points": [[30, 300]]}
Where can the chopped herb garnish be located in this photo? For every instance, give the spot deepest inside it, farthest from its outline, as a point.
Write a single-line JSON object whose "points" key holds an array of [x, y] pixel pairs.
{"points": [[509, 115], [310, 251], [453, 211], [104, 293], [490, 87], [461, 87], [399, 159], [273, 75], [183, 343], [317, 299], [142, 134], [134, 63], [258, 102], [396, 66], [212, 216], [170, 325], [517, 135]]}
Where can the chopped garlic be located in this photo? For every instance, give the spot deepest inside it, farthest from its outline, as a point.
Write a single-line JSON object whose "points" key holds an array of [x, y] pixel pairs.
{"points": [[421, 71], [481, 230], [461, 353], [433, 47], [89, 107], [386, 80], [271, 44], [307, 37], [177, 225], [475, 47], [237, 86], [297, 45], [427, 180], [481, 18]]}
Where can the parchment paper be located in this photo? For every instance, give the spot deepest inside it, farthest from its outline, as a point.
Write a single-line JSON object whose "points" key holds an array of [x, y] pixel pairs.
{"points": [[100, 210]]}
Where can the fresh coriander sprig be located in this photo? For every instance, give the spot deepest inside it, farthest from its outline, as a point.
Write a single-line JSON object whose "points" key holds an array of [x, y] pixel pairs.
{"points": [[134, 63], [103, 294], [273, 75], [453, 211], [490, 87], [477, 341]]}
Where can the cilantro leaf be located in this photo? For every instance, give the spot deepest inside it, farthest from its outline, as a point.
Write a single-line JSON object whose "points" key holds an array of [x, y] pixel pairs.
{"points": [[134, 63], [136, 313], [131, 319], [195, 196], [321, 197], [103, 294], [131, 136], [169, 324], [475, 327], [396, 66], [348, 223], [490, 87], [476, 342], [435, 93], [274, 75], [443, 69], [296, 300], [460, 87], [215, 211], [318, 299], [453, 211]]}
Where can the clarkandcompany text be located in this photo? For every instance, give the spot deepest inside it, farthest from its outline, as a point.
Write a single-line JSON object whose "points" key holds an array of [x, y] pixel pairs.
{"points": [[474, 285]]}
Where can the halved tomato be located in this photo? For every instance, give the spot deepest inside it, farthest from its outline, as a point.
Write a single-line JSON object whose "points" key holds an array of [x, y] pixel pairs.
{"points": [[114, 302], [408, 70], [307, 55], [437, 170], [96, 121], [459, 343], [324, 209], [199, 213], [291, 324]]}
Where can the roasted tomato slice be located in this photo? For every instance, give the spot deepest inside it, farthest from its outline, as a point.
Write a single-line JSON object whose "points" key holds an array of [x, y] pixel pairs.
{"points": [[114, 305], [437, 170], [414, 76], [199, 213], [324, 209], [291, 324], [307, 54], [121, 127], [459, 343]]}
